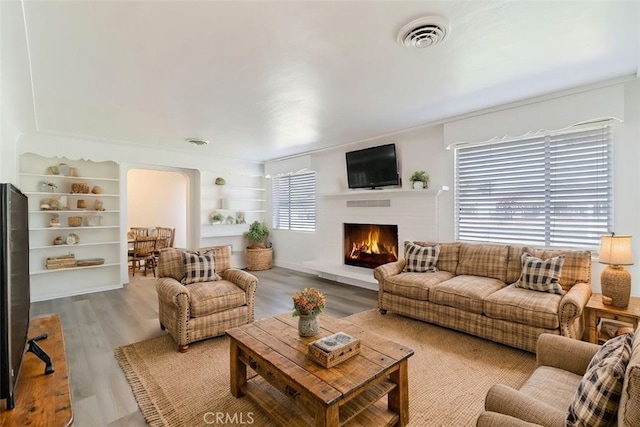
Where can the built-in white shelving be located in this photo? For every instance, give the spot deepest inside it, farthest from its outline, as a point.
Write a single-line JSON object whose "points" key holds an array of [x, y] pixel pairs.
{"points": [[97, 238]]}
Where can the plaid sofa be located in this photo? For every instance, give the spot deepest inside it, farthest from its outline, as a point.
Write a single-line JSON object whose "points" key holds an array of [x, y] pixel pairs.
{"points": [[473, 291], [203, 310]]}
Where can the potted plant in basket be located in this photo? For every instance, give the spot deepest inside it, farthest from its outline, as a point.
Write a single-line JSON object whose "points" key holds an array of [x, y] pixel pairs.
{"points": [[420, 179], [259, 253]]}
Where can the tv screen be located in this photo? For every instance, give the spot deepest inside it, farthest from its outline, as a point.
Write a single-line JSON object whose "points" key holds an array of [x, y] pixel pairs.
{"points": [[15, 300], [373, 167]]}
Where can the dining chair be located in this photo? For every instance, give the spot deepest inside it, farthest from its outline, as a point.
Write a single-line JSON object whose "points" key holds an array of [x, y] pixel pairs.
{"points": [[143, 251], [139, 231], [166, 232]]}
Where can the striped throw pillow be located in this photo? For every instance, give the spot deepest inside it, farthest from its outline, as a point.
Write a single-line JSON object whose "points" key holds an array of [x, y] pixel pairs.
{"points": [[199, 268], [420, 259], [541, 275], [596, 401]]}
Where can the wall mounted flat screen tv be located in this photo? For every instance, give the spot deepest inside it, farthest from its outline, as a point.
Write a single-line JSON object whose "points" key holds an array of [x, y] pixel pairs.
{"points": [[373, 167]]}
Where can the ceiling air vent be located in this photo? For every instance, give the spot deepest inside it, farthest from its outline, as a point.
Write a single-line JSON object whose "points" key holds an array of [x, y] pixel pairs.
{"points": [[424, 32], [197, 141]]}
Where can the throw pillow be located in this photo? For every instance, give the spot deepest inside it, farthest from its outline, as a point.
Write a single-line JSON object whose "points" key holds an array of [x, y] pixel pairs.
{"points": [[420, 259], [541, 275], [199, 268], [595, 403]]}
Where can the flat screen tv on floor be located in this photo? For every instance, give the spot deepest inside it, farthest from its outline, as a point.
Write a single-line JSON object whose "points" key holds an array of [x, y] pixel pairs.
{"points": [[373, 167], [15, 299]]}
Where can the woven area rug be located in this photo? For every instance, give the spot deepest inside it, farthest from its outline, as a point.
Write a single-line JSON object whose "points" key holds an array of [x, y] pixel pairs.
{"points": [[449, 376]]}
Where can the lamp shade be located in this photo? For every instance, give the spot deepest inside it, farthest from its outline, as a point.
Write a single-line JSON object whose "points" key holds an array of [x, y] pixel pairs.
{"points": [[615, 250]]}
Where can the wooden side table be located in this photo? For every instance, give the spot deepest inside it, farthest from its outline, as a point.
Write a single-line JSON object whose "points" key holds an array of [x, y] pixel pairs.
{"points": [[596, 310]]}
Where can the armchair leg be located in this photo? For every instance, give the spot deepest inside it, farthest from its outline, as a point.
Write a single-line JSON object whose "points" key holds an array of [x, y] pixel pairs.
{"points": [[183, 348], [162, 327]]}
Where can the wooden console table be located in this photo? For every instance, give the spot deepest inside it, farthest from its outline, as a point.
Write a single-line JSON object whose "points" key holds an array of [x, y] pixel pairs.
{"points": [[42, 400]]}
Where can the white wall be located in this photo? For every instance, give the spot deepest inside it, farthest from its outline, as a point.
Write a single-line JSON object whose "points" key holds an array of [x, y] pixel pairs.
{"points": [[424, 148], [16, 112], [158, 198]]}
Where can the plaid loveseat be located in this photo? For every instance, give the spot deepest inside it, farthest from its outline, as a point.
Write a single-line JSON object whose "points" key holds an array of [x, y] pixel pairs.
{"points": [[473, 291], [203, 309]]}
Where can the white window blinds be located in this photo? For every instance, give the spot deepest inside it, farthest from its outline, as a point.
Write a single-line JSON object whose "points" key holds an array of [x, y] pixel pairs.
{"points": [[553, 190], [294, 202]]}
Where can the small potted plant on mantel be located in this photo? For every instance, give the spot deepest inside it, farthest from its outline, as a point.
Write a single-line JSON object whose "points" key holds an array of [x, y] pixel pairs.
{"points": [[420, 179], [259, 253]]}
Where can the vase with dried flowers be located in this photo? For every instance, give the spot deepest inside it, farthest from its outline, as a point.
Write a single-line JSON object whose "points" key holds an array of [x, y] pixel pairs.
{"points": [[307, 304]]}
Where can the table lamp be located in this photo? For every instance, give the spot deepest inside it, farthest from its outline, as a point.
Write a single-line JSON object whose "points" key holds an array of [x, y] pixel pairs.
{"points": [[615, 280]]}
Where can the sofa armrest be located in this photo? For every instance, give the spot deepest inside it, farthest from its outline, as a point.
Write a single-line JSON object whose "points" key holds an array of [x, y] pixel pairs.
{"points": [[247, 282], [173, 308], [171, 291], [494, 419], [508, 401], [565, 353], [570, 310], [389, 269]]}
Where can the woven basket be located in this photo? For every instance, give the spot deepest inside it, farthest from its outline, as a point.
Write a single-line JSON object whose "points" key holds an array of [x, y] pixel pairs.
{"points": [[259, 259], [79, 188], [75, 221]]}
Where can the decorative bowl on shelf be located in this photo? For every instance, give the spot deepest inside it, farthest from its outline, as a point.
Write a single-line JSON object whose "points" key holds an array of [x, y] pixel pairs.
{"points": [[79, 188], [75, 221]]}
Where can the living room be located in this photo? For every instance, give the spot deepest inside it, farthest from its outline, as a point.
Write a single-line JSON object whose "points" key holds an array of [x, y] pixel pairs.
{"points": [[523, 104]]}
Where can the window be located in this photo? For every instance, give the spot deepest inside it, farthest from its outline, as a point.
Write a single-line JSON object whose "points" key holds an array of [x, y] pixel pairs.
{"points": [[294, 202], [553, 190]]}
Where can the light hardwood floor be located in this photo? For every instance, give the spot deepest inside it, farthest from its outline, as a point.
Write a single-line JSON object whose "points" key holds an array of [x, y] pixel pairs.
{"points": [[94, 324]]}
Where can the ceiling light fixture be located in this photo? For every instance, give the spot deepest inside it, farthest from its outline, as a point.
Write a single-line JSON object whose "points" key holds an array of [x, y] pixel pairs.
{"points": [[424, 32], [197, 141]]}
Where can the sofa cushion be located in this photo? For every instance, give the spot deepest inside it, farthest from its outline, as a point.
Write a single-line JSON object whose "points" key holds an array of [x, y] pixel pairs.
{"points": [[483, 260], [465, 292], [221, 254], [198, 268], [448, 257], [415, 285], [171, 264], [420, 259], [524, 306], [552, 385], [576, 267], [213, 297], [596, 400], [514, 264], [541, 275]]}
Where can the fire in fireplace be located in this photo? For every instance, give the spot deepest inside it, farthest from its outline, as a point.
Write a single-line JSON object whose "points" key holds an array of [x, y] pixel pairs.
{"points": [[370, 245]]}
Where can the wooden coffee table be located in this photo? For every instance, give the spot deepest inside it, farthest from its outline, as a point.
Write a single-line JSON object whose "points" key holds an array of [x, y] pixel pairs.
{"points": [[348, 394]]}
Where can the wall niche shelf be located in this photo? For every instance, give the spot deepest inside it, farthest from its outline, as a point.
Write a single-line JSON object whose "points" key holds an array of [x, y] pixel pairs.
{"points": [[242, 197], [99, 234]]}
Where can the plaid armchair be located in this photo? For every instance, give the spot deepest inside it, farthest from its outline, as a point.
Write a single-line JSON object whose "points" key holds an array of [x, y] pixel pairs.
{"points": [[196, 304], [545, 397]]}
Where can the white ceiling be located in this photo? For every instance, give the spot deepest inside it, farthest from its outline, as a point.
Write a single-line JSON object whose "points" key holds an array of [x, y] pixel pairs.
{"points": [[262, 80]]}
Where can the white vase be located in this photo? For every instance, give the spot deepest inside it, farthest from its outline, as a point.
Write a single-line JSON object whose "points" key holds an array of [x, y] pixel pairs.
{"points": [[417, 185]]}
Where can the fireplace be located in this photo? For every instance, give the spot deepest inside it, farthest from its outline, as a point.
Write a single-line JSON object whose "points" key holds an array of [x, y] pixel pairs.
{"points": [[370, 245]]}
